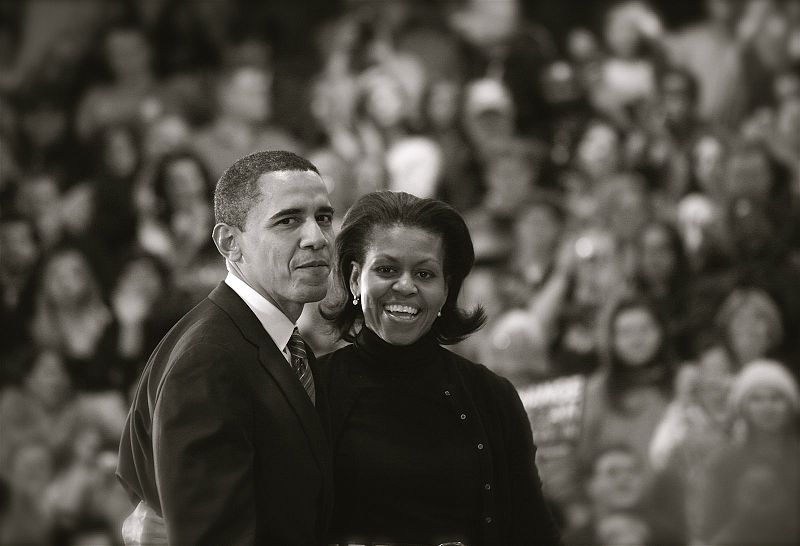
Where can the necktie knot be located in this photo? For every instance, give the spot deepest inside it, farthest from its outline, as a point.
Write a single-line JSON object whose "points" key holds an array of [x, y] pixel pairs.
{"points": [[299, 361]]}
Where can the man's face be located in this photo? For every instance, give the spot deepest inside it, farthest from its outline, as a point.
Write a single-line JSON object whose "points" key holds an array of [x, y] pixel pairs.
{"points": [[287, 240]]}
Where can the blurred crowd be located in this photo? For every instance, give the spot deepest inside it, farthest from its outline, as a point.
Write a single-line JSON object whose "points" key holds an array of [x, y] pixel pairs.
{"points": [[629, 171]]}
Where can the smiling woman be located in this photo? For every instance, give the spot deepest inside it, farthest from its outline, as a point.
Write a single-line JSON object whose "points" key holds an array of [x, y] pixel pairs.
{"points": [[428, 447]]}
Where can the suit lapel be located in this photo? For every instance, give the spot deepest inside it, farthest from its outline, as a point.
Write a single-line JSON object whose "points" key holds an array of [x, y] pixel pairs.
{"points": [[273, 361]]}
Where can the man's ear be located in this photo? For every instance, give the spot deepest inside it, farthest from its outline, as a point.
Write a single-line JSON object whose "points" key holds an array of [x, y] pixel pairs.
{"points": [[226, 238], [355, 273]]}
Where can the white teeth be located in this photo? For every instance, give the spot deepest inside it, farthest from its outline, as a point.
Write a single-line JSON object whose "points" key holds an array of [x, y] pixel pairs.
{"points": [[402, 309]]}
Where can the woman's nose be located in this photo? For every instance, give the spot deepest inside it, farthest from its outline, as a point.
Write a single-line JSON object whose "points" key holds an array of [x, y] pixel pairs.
{"points": [[405, 284]]}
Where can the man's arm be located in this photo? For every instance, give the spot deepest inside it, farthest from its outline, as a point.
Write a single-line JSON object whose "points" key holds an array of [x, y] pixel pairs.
{"points": [[203, 450]]}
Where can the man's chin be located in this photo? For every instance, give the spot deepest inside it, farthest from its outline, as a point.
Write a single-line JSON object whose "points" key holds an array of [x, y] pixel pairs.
{"points": [[313, 293]]}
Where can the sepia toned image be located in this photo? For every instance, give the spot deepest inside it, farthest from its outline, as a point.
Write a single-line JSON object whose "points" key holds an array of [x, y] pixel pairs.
{"points": [[399, 272]]}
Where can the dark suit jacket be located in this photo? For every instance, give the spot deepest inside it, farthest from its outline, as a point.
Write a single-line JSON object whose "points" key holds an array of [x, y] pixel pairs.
{"points": [[222, 439]]}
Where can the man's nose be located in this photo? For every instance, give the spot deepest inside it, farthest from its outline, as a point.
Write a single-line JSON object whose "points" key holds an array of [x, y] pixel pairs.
{"points": [[312, 236]]}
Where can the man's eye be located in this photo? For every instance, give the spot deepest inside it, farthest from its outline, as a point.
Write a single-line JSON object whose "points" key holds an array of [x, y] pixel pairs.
{"points": [[384, 269], [325, 218], [286, 221]]}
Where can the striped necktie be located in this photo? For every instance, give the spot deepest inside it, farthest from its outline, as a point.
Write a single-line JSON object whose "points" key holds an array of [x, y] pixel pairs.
{"points": [[299, 361]]}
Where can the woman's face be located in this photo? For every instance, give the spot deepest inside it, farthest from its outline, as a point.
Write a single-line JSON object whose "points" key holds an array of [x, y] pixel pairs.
{"points": [[637, 336], [401, 283], [184, 183], [658, 257], [766, 408], [67, 278]]}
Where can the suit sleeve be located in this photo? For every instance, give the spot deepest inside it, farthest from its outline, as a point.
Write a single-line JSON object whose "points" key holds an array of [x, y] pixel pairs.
{"points": [[203, 450], [531, 520]]}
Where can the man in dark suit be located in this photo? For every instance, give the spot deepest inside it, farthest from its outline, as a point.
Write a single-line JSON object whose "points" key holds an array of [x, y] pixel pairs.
{"points": [[222, 439]]}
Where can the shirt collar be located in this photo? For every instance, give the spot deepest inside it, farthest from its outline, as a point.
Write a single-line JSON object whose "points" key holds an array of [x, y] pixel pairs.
{"points": [[277, 325]]}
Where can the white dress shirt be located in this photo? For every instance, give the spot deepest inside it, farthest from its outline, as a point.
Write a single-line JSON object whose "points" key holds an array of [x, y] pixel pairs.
{"points": [[277, 325]]}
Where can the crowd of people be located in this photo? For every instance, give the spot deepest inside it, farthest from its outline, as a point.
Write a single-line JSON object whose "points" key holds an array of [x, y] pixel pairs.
{"points": [[631, 183]]}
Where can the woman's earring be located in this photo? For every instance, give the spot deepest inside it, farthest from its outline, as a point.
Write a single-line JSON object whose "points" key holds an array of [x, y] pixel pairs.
{"points": [[355, 300], [439, 314]]}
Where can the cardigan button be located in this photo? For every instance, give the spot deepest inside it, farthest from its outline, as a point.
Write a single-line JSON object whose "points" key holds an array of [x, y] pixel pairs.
{"points": [[480, 447], [487, 486], [447, 393], [488, 519], [463, 416]]}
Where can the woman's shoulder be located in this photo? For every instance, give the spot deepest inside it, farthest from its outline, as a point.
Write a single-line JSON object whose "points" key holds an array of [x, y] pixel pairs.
{"points": [[476, 374]]}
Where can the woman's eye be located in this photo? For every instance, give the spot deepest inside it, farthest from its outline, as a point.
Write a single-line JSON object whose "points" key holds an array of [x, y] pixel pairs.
{"points": [[425, 275], [384, 269], [325, 219], [286, 221]]}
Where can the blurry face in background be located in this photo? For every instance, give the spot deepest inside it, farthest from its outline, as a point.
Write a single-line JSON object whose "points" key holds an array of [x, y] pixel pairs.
{"points": [[165, 134], [401, 283], [560, 83], [386, 102], [715, 378], [723, 11], [767, 409], [185, 184], [490, 128], [658, 260], [509, 179], [48, 380], [709, 162], [247, 95], [487, 23], [618, 481], [127, 53], [598, 151], [749, 334], [67, 278], [121, 155], [598, 270], [443, 103], [18, 246], [143, 277], [537, 228], [622, 34], [628, 212], [637, 336]]}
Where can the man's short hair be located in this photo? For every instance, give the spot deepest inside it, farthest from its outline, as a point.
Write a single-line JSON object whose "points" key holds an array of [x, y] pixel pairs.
{"points": [[237, 189]]}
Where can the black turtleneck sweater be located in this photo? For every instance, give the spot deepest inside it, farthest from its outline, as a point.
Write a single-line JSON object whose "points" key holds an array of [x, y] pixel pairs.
{"points": [[414, 456]]}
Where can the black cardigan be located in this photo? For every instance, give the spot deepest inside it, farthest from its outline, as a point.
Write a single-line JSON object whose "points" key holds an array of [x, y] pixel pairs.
{"points": [[514, 509]]}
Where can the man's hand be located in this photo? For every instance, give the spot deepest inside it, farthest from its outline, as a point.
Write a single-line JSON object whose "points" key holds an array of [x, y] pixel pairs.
{"points": [[144, 528]]}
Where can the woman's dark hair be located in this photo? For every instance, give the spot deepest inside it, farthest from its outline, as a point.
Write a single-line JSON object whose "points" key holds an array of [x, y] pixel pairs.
{"points": [[658, 372], [164, 207], [387, 209], [675, 301]]}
